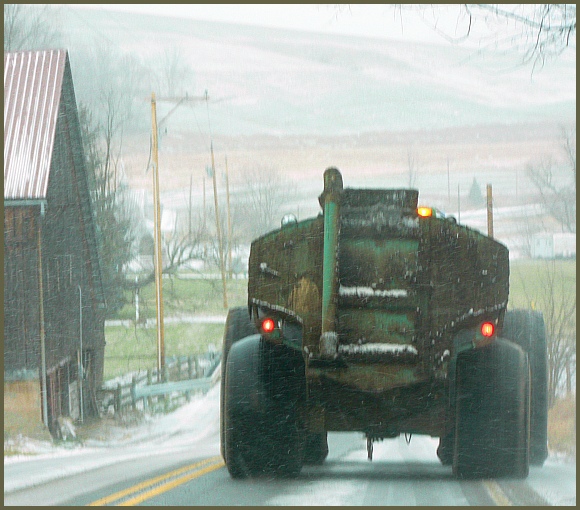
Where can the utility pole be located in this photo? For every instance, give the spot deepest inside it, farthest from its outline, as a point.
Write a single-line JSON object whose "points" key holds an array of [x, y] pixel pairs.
{"points": [[458, 205], [489, 212], [219, 231], [204, 222], [204, 206], [448, 183], [229, 222], [190, 205], [158, 256]]}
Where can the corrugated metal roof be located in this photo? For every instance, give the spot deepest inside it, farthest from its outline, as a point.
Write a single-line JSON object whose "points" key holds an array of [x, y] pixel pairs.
{"points": [[32, 90]]}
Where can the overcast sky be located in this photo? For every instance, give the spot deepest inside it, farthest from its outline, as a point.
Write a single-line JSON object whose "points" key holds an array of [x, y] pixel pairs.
{"points": [[370, 20]]}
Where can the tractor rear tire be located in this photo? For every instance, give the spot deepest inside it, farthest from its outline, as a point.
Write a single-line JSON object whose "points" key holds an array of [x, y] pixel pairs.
{"points": [[239, 439], [492, 412], [316, 448], [526, 328], [238, 326], [261, 434], [445, 449]]}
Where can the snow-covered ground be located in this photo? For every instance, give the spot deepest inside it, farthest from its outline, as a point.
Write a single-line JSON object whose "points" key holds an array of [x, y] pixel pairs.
{"points": [[196, 423]]}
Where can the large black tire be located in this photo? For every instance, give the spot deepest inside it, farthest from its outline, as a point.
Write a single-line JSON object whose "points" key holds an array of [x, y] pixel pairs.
{"points": [[262, 434], [238, 325], [243, 399], [447, 441], [526, 328], [315, 448], [445, 449], [492, 412]]}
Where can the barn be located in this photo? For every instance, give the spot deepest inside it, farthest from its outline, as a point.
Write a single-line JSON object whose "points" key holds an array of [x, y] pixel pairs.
{"points": [[54, 304]]}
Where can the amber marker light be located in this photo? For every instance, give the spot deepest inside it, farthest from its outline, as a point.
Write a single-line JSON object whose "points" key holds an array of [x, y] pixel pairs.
{"points": [[425, 212], [268, 325], [487, 329]]}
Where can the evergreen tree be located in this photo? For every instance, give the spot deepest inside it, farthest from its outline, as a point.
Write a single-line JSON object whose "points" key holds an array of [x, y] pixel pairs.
{"points": [[475, 197], [114, 215]]}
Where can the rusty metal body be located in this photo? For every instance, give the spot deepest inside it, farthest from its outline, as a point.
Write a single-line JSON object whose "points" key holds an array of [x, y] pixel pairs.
{"points": [[383, 301]]}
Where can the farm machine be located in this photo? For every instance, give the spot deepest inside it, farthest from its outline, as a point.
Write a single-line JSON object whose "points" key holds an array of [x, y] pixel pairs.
{"points": [[385, 318]]}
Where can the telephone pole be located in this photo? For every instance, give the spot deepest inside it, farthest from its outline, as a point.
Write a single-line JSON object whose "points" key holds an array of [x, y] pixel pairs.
{"points": [[230, 272], [158, 257], [219, 231], [157, 238], [489, 203]]}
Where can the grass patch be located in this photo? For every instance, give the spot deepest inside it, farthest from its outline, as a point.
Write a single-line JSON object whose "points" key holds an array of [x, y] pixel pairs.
{"points": [[183, 296], [528, 277], [133, 348]]}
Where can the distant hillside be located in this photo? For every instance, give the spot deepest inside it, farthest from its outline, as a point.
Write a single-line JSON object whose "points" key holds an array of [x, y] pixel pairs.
{"points": [[296, 83]]}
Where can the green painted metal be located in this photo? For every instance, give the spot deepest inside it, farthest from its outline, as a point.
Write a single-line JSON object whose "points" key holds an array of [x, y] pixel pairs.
{"points": [[329, 266], [331, 198], [376, 326]]}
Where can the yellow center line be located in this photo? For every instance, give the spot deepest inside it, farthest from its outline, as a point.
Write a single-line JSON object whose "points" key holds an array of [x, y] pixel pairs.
{"points": [[148, 483], [496, 493], [170, 485]]}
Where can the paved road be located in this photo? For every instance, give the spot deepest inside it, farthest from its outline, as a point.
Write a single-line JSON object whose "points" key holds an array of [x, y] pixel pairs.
{"points": [[194, 474], [174, 460]]}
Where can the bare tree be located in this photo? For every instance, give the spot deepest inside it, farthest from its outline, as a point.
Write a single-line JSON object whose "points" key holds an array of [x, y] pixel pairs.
{"points": [[555, 181], [266, 193], [529, 226], [185, 243], [539, 32], [111, 84], [174, 75], [182, 246], [30, 27]]}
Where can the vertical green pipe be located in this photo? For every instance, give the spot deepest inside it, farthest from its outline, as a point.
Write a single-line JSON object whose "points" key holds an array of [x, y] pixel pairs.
{"points": [[331, 199], [329, 264]]}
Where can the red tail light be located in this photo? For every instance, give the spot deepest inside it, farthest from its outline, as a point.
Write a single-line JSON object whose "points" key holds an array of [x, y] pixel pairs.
{"points": [[488, 329], [268, 325]]}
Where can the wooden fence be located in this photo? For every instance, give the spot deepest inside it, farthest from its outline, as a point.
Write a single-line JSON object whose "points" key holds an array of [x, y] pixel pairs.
{"points": [[145, 390]]}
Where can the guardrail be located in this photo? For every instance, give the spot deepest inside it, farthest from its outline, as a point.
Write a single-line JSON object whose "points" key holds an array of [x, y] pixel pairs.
{"points": [[190, 375]]}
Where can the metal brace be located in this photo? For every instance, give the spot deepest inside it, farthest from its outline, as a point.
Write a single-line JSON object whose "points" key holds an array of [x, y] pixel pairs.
{"points": [[370, 442]]}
